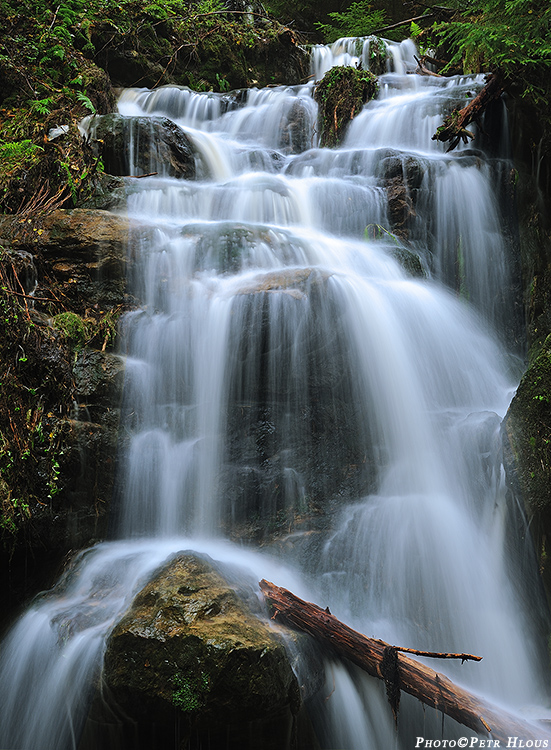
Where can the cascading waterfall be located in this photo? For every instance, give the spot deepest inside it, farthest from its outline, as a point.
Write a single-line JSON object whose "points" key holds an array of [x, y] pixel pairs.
{"points": [[283, 365]]}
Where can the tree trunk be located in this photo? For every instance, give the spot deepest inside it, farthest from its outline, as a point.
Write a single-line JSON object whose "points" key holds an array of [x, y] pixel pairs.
{"points": [[400, 672], [454, 127]]}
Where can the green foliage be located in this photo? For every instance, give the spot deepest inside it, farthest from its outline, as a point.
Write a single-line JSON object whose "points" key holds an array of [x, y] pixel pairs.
{"points": [[512, 35], [85, 100], [18, 155], [36, 375], [377, 232], [289, 11], [80, 332], [41, 106], [359, 19]]}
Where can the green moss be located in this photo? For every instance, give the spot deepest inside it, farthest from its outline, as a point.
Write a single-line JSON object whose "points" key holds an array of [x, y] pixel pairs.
{"points": [[190, 691], [73, 327], [341, 94]]}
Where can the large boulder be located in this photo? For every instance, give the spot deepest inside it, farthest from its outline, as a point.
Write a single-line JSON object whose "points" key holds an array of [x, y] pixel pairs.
{"points": [[191, 658], [341, 94], [141, 145]]}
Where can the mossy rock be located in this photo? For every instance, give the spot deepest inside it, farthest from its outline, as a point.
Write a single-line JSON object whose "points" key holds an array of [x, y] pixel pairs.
{"points": [[191, 647], [528, 429], [341, 94], [527, 452]]}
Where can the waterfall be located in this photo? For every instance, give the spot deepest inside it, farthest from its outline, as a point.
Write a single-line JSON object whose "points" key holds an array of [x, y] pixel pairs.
{"points": [[286, 368]]}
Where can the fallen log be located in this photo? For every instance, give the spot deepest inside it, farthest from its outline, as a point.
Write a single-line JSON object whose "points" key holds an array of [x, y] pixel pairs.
{"points": [[422, 69], [400, 672], [454, 127]]}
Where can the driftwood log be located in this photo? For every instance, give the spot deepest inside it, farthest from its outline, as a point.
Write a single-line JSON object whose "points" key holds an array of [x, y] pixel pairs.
{"points": [[400, 672], [454, 127]]}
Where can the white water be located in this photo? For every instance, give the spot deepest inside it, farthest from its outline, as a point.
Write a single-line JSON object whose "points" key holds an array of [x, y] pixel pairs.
{"points": [[266, 315]]}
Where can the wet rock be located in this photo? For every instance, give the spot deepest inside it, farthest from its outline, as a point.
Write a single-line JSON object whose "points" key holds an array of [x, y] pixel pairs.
{"points": [[400, 206], [192, 657], [83, 253], [21, 270], [526, 434], [229, 246], [296, 129], [158, 146], [60, 404], [296, 444], [402, 177], [98, 384], [76, 462], [410, 261], [296, 280], [108, 193]]}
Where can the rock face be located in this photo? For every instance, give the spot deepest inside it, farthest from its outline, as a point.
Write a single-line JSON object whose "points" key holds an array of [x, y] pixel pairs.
{"points": [[142, 145], [527, 449], [82, 253], [401, 177], [191, 657], [63, 289], [297, 442]]}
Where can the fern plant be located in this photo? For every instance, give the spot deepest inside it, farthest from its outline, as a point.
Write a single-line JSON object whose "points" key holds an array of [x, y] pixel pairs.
{"points": [[18, 155], [85, 100], [359, 19], [513, 35]]}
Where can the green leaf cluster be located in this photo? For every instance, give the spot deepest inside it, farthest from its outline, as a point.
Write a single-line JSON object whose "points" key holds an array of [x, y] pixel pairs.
{"points": [[359, 19], [18, 155], [512, 35]]}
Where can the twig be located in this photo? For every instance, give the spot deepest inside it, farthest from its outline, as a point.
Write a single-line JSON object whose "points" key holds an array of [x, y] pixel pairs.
{"points": [[30, 296], [438, 655]]}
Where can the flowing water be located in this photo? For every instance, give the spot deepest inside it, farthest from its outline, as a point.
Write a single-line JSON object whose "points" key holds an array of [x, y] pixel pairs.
{"points": [[286, 373]]}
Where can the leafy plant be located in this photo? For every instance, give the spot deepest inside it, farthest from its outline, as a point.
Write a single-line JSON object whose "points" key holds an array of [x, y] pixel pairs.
{"points": [[18, 155], [513, 35], [223, 84], [86, 101], [359, 19]]}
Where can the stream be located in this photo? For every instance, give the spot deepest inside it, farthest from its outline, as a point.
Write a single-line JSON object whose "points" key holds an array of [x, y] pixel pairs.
{"points": [[297, 402]]}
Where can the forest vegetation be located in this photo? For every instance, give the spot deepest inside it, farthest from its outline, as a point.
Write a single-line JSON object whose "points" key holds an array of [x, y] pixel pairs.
{"points": [[59, 59]]}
